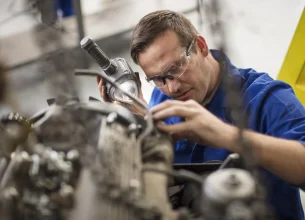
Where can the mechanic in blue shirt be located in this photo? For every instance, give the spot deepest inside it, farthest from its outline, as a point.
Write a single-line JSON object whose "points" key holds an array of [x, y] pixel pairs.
{"points": [[189, 97]]}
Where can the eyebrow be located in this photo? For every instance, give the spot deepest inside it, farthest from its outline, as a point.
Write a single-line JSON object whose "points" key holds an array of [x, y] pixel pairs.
{"points": [[188, 50], [169, 65], [159, 73]]}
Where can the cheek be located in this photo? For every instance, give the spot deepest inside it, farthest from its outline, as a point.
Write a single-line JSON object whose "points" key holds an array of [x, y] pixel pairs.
{"points": [[164, 90], [192, 78]]}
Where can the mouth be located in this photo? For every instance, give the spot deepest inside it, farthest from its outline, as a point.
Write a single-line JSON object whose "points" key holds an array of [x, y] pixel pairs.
{"points": [[184, 96]]}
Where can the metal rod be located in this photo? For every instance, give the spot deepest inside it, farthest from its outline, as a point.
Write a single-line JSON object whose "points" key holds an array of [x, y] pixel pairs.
{"points": [[79, 18], [80, 28]]}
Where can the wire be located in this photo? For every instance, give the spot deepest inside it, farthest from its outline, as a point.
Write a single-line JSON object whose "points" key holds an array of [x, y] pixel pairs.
{"points": [[149, 119], [86, 72], [181, 174]]}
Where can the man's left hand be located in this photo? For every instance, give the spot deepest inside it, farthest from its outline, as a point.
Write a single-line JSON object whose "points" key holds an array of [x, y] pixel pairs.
{"points": [[199, 124]]}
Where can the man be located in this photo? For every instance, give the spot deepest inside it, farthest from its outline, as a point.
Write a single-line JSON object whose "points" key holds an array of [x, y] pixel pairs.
{"points": [[188, 80]]}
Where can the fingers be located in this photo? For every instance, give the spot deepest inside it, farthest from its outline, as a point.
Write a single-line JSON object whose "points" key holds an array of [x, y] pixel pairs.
{"points": [[164, 105], [103, 90], [180, 111], [98, 78], [169, 103], [173, 108], [176, 130]]}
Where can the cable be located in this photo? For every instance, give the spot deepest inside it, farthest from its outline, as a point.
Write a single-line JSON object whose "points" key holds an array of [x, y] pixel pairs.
{"points": [[149, 119], [182, 175], [86, 72]]}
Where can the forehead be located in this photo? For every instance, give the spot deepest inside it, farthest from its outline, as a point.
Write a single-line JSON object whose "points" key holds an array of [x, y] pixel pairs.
{"points": [[161, 52]]}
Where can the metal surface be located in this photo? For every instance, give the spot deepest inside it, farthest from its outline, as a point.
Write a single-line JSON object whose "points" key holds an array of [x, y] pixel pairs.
{"points": [[225, 185]]}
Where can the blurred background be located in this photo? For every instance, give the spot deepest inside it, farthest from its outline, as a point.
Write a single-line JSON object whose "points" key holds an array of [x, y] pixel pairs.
{"points": [[41, 50], [40, 56]]}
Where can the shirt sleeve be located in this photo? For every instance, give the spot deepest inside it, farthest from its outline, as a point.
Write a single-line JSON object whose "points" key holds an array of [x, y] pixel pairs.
{"points": [[283, 114], [280, 113], [157, 97]]}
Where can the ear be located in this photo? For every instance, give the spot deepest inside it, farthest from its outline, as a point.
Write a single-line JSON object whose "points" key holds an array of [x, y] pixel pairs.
{"points": [[202, 46]]}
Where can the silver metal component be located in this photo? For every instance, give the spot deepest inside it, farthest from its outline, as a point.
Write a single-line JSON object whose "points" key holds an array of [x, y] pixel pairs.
{"points": [[226, 185], [112, 117], [132, 128], [134, 184], [73, 155], [10, 193], [238, 210], [24, 155], [35, 165]]}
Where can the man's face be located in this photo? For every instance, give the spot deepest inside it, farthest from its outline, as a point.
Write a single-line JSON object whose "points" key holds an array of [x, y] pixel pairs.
{"points": [[164, 54]]}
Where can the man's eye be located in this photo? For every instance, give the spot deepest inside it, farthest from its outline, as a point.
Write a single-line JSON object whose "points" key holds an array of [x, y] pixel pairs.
{"points": [[172, 70], [180, 64], [158, 79]]}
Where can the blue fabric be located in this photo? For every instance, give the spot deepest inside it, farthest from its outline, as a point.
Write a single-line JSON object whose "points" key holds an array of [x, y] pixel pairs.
{"points": [[273, 109], [66, 6]]}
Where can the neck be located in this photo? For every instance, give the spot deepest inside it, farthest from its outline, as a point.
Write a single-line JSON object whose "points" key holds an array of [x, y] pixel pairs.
{"points": [[215, 77]]}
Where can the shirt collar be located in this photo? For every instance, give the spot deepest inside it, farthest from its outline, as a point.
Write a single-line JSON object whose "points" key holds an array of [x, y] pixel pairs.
{"points": [[217, 99]]}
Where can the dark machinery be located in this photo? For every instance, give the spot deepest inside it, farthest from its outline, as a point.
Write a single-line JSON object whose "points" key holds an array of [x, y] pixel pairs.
{"points": [[97, 160]]}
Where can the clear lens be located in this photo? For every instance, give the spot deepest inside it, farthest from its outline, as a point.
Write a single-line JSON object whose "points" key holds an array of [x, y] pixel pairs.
{"points": [[153, 84], [175, 69], [128, 86], [157, 82], [178, 68]]}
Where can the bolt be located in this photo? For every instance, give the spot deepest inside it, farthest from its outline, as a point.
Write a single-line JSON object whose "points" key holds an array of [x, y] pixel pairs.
{"points": [[111, 117], [72, 155], [233, 181], [132, 128]]}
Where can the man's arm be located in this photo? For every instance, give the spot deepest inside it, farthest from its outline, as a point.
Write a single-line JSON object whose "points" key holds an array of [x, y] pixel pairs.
{"points": [[285, 158]]}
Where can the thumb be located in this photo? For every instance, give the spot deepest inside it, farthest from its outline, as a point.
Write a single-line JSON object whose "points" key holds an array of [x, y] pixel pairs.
{"points": [[98, 79]]}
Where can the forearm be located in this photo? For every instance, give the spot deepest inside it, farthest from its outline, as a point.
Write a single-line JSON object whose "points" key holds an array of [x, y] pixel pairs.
{"points": [[285, 158]]}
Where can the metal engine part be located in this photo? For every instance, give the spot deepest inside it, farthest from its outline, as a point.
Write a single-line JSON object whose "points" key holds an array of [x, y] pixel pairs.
{"points": [[233, 193], [225, 185], [86, 161]]}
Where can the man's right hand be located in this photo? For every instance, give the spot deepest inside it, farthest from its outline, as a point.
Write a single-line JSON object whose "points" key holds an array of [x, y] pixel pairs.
{"points": [[134, 108], [103, 89]]}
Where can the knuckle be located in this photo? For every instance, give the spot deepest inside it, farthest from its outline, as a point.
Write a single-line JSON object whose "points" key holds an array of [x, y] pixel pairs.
{"points": [[191, 102], [167, 102], [174, 110]]}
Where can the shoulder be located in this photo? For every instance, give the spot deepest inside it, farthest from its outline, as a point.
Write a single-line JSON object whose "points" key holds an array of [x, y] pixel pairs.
{"points": [[272, 106], [259, 88]]}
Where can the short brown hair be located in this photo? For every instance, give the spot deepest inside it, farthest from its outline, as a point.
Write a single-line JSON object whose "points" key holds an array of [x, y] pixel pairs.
{"points": [[156, 23]]}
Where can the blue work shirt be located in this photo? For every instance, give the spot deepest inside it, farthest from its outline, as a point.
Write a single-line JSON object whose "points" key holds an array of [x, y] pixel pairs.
{"points": [[272, 109]]}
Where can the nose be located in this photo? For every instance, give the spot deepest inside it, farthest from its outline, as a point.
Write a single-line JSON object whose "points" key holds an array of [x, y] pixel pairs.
{"points": [[173, 85]]}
